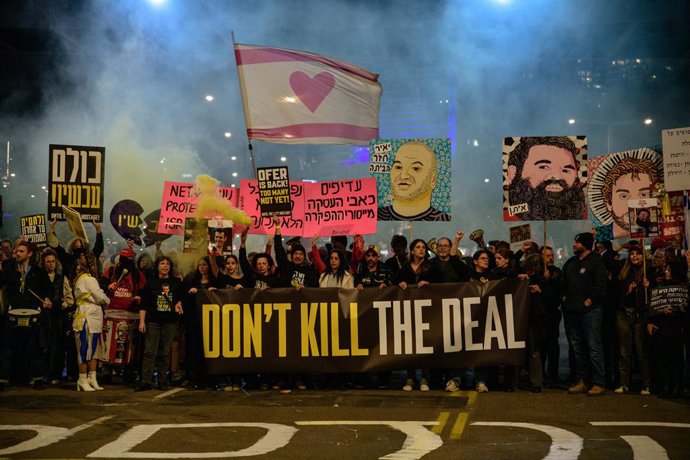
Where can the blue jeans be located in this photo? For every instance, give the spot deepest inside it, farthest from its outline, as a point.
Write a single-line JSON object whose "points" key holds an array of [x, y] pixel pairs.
{"points": [[584, 337]]}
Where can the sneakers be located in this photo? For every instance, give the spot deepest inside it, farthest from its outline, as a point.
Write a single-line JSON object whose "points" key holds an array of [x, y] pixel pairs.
{"points": [[578, 388], [452, 385], [423, 385], [645, 391], [482, 388], [596, 390], [409, 383], [621, 390]]}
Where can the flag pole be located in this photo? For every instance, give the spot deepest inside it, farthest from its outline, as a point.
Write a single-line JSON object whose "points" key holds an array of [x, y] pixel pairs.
{"points": [[240, 80]]}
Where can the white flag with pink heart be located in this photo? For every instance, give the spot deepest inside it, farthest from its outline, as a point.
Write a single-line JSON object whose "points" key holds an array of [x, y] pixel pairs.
{"points": [[296, 97]]}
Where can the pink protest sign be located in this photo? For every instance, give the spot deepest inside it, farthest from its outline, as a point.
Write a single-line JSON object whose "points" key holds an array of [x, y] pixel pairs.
{"points": [[179, 201], [341, 207], [250, 204]]}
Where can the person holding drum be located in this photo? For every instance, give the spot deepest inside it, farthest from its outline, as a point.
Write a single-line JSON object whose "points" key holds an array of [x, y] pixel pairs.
{"points": [[88, 319], [159, 314], [29, 291]]}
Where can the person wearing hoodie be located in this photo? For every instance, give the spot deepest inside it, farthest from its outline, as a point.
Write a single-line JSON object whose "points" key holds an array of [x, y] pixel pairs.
{"points": [[584, 291]]}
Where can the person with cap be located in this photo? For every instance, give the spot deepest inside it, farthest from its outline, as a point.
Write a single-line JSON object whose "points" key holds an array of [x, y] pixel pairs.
{"points": [[123, 282], [295, 271], [584, 292], [372, 272]]}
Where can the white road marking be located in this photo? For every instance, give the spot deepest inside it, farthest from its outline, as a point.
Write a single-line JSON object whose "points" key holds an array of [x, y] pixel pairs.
{"points": [[419, 440], [168, 393], [645, 448], [276, 437], [565, 445], [45, 435]]}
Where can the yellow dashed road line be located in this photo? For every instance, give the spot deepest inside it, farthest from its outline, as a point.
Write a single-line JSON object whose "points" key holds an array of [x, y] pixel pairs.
{"points": [[442, 419]]}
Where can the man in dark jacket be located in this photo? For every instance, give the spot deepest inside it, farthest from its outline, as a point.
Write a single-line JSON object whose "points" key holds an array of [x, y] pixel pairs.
{"points": [[373, 273], [298, 272], [584, 291]]}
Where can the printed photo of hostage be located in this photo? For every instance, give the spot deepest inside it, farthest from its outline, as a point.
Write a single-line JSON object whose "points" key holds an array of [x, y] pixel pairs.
{"points": [[544, 178], [195, 235], [220, 237], [643, 216]]}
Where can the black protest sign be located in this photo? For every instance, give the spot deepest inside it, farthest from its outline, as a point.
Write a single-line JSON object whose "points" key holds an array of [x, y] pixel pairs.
{"points": [[675, 297], [76, 179], [33, 229], [451, 325], [274, 191], [125, 217]]}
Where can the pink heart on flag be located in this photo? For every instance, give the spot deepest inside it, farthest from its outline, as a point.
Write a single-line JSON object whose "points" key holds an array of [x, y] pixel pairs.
{"points": [[312, 91]]}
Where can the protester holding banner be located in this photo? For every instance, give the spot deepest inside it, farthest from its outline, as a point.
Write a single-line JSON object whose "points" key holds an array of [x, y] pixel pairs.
{"points": [[373, 273], [66, 256], [551, 298], [537, 331], [159, 313], [88, 319], [667, 331], [482, 261], [231, 278], [336, 274], [63, 301], [23, 336], [396, 262], [633, 294], [261, 271], [448, 262], [418, 270], [298, 272], [202, 278], [584, 291]]}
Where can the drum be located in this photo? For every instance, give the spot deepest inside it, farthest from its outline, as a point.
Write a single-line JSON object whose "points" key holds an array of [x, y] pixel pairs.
{"points": [[24, 317], [118, 329]]}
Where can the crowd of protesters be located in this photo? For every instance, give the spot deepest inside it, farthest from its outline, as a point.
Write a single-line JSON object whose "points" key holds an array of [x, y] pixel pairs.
{"points": [[56, 301]]}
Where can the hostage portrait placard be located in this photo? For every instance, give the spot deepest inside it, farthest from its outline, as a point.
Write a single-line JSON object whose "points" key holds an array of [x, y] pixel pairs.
{"points": [[75, 179], [544, 178], [451, 325]]}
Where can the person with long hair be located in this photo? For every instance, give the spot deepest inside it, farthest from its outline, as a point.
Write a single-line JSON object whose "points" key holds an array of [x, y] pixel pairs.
{"points": [[506, 267], [158, 317], [337, 273], [233, 278], [88, 319], [201, 279], [418, 270], [633, 292]]}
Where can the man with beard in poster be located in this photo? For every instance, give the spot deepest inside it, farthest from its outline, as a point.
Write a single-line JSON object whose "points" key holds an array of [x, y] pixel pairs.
{"points": [[543, 174], [412, 182]]}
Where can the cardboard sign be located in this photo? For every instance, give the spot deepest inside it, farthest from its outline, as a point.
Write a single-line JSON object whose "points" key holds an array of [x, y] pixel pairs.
{"points": [[676, 146], [179, 202], [274, 191], [342, 207], [75, 224], [675, 297], [76, 179], [33, 229]]}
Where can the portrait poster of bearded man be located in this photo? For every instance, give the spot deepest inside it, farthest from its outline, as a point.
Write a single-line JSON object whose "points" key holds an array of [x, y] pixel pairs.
{"points": [[412, 178], [544, 178], [617, 178]]}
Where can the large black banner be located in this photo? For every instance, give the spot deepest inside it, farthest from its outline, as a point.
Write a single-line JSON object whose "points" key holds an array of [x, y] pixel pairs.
{"points": [[450, 325]]}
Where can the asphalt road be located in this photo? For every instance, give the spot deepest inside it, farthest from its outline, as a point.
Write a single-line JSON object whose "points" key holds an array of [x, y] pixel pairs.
{"points": [[354, 424]]}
